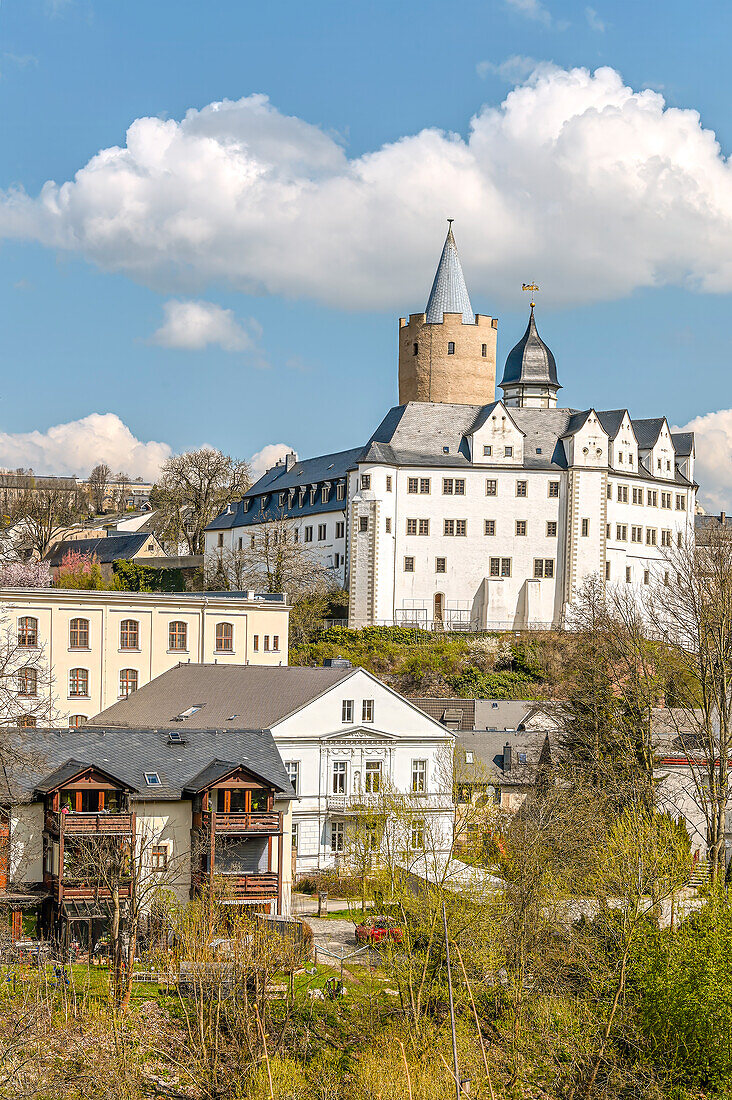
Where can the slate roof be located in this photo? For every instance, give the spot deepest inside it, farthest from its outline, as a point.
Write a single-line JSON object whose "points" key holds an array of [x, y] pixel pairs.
{"points": [[106, 549], [530, 360], [310, 471], [683, 442], [128, 754], [230, 696], [648, 431], [611, 421], [489, 763], [449, 293]]}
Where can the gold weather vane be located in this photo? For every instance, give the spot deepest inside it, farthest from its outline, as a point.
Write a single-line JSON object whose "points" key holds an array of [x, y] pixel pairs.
{"points": [[532, 289]]}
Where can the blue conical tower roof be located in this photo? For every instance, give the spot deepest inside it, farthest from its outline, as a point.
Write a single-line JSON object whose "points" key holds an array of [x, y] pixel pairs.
{"points": [[449, 293]]}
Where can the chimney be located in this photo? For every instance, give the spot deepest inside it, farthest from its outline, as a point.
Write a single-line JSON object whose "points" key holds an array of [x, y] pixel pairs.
{"points": [[290, 460], [506, 757]]}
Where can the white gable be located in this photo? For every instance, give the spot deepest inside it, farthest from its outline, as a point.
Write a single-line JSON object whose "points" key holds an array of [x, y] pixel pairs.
{"points": [[393, 716], [497, 435]]}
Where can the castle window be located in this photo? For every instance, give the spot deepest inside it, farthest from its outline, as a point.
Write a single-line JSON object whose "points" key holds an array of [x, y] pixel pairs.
{"points": [[412, 484], [365, 481], [607, 570], [627, 574], [621, 532], [451, 347], [388, 525], [424, 485], [491, 487], [484, 350], [585, 528], [553, 490], [508, 452], [490, 527], [409, 565], [520, 527], [522, 488], [487, 451], [411, 527], [551, 529], [440, 565], [646, 576], [388, 483], [363, 523], [415, 348], [424, 527], [543, 567]]}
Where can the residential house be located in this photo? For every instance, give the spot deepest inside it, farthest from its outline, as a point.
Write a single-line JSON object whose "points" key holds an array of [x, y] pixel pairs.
{"points": [[343, 735]]}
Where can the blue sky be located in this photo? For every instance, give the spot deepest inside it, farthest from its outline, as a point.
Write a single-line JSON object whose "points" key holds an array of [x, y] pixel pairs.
{"points": [[280, 326]]}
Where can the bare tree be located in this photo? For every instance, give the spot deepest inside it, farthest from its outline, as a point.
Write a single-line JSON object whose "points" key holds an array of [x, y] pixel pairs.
{"points": [[99, 480], [272, 559], [690, 609], [46, 515], [27, 695], [193, 488]]}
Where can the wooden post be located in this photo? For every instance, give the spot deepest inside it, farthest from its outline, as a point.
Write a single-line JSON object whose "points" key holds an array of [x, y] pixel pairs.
{"points": [[280, 857]]}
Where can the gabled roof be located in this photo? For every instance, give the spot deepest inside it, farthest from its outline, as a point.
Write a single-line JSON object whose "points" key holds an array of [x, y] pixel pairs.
{"points": [[449, 293], [683, 443], [611, 420], [107, 549], [648, 431], [530, 360], [44, 758], [214, 773], [70, 770], [231, 696]]}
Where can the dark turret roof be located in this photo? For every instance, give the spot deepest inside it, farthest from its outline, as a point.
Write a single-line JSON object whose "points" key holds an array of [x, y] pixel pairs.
{"points": [[530, 360]]}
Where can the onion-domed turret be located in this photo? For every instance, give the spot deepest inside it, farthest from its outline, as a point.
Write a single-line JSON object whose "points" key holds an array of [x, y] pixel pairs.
{"points": [[530, 375]]}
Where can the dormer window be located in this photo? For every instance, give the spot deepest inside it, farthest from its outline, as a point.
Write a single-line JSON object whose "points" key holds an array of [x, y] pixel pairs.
{"points": [[324, 495], [340, 491]]}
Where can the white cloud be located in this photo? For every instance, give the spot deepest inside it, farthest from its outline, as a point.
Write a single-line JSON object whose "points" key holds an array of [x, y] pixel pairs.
{"points": [[575, 180], [195, 325], [713, 468], [75, 447], [513, 69], [594, 22], [531, 9], [264, 459]]}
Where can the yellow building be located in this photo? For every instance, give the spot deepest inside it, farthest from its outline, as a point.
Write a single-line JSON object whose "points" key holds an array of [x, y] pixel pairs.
{"points": [[102, 646]]}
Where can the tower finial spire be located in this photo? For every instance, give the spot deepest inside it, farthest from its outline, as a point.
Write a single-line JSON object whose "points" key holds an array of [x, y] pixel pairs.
{"points": [[532, 289], [449, 293]]}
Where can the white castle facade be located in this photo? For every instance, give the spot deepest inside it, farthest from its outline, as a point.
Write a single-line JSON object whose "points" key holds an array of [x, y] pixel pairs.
{"points": [[478, 516]]}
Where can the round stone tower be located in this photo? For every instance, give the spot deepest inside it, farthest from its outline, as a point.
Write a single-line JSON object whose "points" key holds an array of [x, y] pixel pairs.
{"points": [[448, 353]]}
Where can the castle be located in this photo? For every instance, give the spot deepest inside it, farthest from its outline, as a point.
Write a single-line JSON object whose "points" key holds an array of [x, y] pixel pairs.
{"points": [[467, 511]]}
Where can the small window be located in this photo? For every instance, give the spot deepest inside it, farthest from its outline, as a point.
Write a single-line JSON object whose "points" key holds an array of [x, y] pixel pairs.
{"points": [[292, 767], [308, 534], [487, 451], [337, 836], [551, 528], [491, 487], [585, 528], [646, 576], [522, 488], [28, 721], [256, 643], [28, 682], [347, 710], [340, 530], [490, 527], [266, 643], [484, 350], [412, 484], [339, 777], [321, 532], [415, 349], [424, 485], [365, 481], [607, 570], [373, 776], [419, 776], [275, 643], [417, 834], [424, 527], [28, 632], [224, 638], [324, 494], [76, 720], [128, 680], [500, 567], [627, 574], [220, 539], [520, 527], [79, 634], [388, 483], [411, 527], [79, 682], [340, 491], [367, 710], [450, 347], [129, 634], [508, 452], [387, 525], [440, 565], [159, 857], [448, 485], [553, 489], [468, 757], [363, 524], [521, 757], [241, 544], [177, 635], [152, 779], [409, 565]]}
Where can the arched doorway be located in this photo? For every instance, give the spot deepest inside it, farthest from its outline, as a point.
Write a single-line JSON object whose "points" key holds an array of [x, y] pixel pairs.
{"points": [[438, 611]]}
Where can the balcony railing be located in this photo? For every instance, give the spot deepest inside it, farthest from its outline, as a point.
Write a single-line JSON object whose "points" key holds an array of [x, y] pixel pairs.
{"points": [[242, 823], [256, 885], [94, 824], [73, 890]]}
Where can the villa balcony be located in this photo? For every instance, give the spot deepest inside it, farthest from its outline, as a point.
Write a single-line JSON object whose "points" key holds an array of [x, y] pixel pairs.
{"points": [[247, 887], [73, 890], [93, 824], [242, 824]]}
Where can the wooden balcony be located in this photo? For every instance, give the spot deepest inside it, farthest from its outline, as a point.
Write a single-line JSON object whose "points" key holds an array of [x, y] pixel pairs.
{"points": [[96, 824], [72, 890], [251, 887], [243, 824]]}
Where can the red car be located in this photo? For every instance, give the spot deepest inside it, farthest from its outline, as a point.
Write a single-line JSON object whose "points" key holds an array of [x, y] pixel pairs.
{"points": [[377, 929]]}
